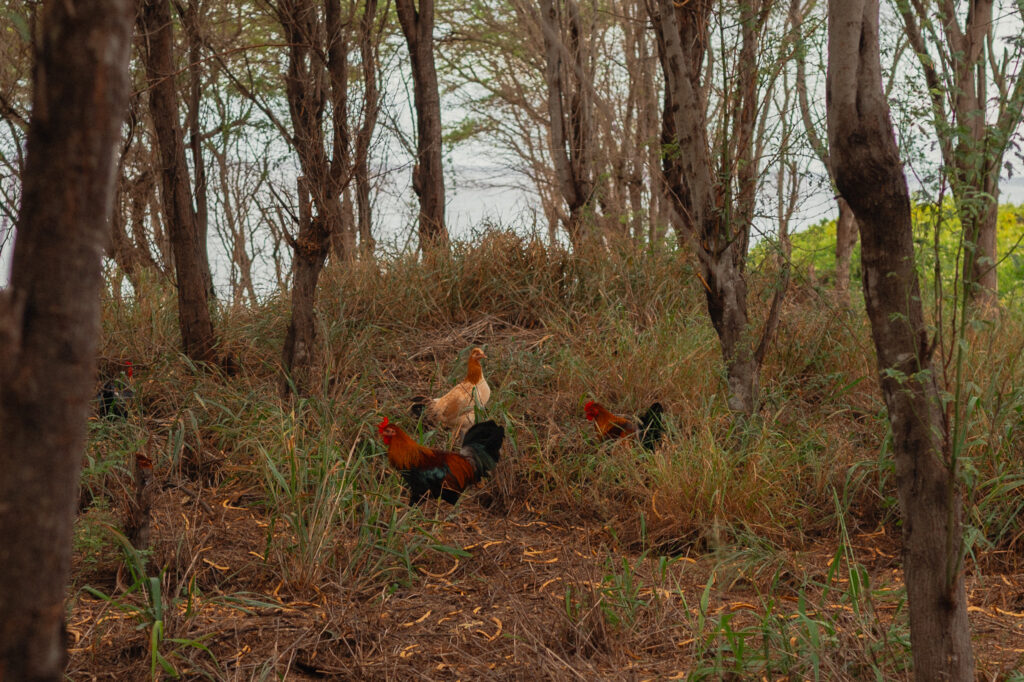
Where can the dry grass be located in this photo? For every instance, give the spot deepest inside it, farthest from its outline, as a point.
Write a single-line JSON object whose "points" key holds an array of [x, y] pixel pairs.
{"points": [[282, 547]]}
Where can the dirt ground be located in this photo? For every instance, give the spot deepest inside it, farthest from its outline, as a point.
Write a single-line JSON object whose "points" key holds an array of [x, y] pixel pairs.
{"points": [[533, 598]]}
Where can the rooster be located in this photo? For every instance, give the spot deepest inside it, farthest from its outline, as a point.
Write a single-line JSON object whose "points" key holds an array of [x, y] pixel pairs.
{"points": [[649, 428], [115, 394], [456, 408], [439, 473]]}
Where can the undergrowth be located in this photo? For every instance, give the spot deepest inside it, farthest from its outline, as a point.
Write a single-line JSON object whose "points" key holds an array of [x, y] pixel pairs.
{"points": [[625, 327]]}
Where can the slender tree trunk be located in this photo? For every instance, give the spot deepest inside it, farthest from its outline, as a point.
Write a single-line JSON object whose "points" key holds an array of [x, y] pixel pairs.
{"points": [[369, 41], [428, 173], [978, 156], [141, 190], [50, 319], [191, 23], [308, 82], [979, 216], [343, 233], [569, 112], [673, 193], [132, 257], [846, 239], [648, 156], [309, 253], [156, 227], [701, 198], [976, 109], [869, 175], [846, 223], [197, 334], [343, 240]]}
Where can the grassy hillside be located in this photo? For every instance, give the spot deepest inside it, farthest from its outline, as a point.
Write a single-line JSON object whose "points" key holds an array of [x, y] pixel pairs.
{"points": [[283, 546]]}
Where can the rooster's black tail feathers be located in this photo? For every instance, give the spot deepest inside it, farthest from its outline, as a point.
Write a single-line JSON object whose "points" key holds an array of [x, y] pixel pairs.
{"points": [[419, 403], [487, 435], [652, 426], [482, 444]]}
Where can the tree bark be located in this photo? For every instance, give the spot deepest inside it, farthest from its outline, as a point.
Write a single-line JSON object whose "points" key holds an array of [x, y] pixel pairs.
{"points": [[309, 81], [369, 44], [337, 40], [569, 110], [191, 20], [131, 252], [846, 223], [869, 175], [846, 239], [193, 269], [309, 252], [50, 319], [428, 173]]}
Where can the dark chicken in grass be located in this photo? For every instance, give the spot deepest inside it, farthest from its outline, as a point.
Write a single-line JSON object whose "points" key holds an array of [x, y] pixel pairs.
{"points": [[439, 473], [116, 393], [649, 428]]}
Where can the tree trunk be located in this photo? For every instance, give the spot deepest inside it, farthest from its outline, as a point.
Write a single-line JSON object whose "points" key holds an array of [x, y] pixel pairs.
{"points": [[718, 234], [846, 239], [978, 157], [869, 175], [343, 231], [197, 335], [191, 23], [428, 173], [308, 82], [309, 252], [978, 209], [369, 41], [726, 294], [50, 319], [131, 252], [568, 104], [343, 240], [846, 223]]}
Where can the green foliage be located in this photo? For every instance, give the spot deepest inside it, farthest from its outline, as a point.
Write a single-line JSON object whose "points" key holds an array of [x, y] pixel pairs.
{"points": [[814, 249]]}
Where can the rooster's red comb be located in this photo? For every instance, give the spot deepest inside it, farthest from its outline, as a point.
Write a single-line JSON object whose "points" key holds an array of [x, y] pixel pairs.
{"points": [[590, 404], [383, 425]]}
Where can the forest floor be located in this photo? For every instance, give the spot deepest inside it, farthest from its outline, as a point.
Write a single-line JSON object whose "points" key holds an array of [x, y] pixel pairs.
{"points": [[282, 547], [532, 596]]}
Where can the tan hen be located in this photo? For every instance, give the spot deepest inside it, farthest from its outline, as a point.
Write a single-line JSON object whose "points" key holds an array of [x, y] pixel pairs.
{"points": [[456, 408]]}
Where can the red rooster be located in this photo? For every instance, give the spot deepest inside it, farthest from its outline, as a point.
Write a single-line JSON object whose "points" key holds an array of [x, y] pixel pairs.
{"points": [[439, 473], [649, 428]]}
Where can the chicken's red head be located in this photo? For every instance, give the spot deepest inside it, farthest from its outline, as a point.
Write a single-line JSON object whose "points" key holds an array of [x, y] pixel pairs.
{"points": [[386, 430], [129, 368], [590, 410]]}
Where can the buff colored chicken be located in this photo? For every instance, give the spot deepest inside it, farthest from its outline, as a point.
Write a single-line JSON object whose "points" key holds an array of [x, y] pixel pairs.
{"points": [[456, 408]]}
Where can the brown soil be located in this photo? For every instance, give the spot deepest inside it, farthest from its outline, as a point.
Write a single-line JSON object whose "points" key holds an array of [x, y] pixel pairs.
{"points": [[537, 599]]}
